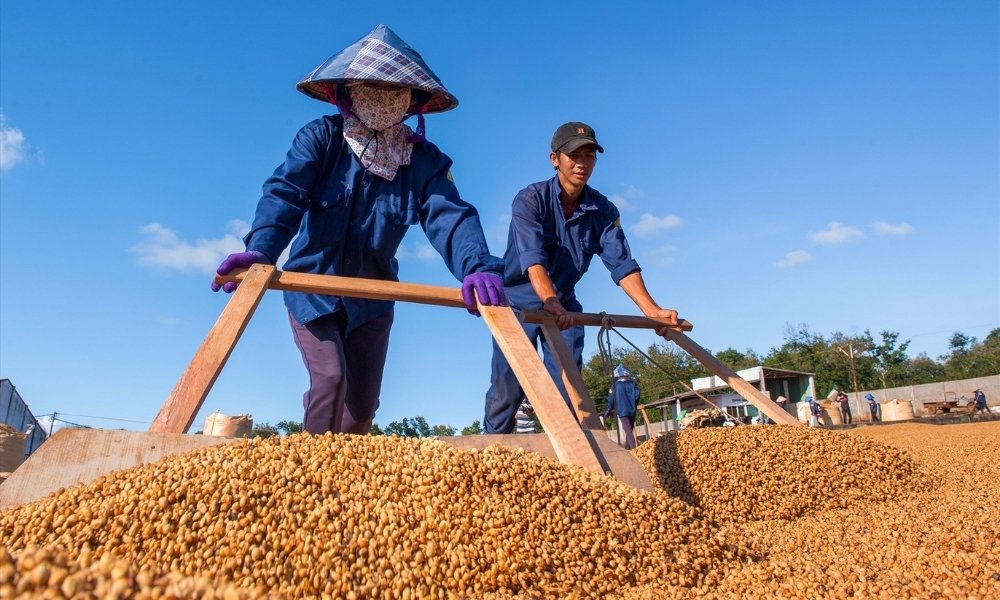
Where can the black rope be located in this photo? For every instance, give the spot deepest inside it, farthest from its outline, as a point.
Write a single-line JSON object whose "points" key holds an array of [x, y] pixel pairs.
{"points": [[629, 342], [609, 328], [604, 343]]}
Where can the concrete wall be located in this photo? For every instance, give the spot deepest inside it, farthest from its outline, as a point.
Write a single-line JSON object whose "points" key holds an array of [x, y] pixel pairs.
{"points": [[932, 392], [916, 394], [643, 432]]}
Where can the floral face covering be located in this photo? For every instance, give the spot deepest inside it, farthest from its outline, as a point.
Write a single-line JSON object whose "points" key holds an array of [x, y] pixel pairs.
{"points": [[373, 128]]}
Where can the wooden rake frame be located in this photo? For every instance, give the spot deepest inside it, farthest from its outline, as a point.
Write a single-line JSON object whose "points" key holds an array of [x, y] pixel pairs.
{"points": [[582, 443]]}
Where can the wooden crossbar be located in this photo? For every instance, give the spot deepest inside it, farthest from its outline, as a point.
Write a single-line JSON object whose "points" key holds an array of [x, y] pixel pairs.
{"points": [[565, 434]]}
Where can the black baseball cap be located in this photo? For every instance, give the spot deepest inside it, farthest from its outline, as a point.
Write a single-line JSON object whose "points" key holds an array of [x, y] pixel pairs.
{"points": [[573, 135]]}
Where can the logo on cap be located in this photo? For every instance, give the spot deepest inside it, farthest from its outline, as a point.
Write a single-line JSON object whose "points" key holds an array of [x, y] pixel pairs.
{"points": [[580, 130]]}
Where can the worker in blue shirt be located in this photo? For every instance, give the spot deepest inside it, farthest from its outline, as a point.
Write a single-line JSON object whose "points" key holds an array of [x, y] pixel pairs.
{"points": [[872, 407], [557, 227], [979, 398], [349, 188], [622, 401], [814, 411]]}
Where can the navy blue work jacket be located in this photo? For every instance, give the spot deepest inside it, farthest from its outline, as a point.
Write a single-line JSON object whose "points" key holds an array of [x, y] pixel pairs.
{"points": [[540, 234], [347, 221], [623, 398]]}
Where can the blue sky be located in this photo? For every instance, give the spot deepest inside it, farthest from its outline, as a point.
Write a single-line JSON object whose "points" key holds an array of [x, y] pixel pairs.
{"points": [[829, 163]]}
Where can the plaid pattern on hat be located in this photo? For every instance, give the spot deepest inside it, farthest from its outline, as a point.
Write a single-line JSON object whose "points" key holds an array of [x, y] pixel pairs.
{"points": [[380, 56], [379, 61]]}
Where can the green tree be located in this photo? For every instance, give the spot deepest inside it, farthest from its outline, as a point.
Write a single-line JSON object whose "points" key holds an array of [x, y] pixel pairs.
{"points": [[960, 362], [376, 430], [417, 427], [891, 362], [810, 352], [475, 428], [289, 427], [972, 358], [923, 369], [263, 430], [988, 355], [853, 357], [737, 360], [443, 431]]}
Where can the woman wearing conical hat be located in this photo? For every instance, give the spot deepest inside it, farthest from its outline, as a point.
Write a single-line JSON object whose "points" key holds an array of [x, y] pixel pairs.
{"points": [[349, 188]]}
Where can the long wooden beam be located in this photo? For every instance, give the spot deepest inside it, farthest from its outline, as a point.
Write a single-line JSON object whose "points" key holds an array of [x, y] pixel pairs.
{"points": [[568, 440], [676, 335], [183, 403], [572, 380], [732, 379]]}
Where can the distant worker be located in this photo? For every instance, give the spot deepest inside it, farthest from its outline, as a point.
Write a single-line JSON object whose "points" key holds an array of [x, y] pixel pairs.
{"points": [[350, 187], [622, 400], [980, 399], [557, 227], [873, 407], [845, 408], [814, 411], [524, 419], [782, 403]]}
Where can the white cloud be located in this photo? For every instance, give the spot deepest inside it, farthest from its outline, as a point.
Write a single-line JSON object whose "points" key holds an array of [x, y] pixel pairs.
{"points": [[883, 228], [649, 225], [621, 202], [426, 252], [161, 248], [664, 255], [835, 234], [419, 251], [12, 146], [169, 320], [499, 231], [45, 424], [795, 257]]}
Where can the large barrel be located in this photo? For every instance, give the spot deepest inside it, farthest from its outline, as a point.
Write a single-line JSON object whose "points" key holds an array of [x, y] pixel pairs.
{"points": [[830, 413], [897, 410], [802, 411], [220, 425]]}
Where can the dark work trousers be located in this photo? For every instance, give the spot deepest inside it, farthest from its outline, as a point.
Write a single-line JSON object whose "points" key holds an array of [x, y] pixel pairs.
{"points": [[875, 418], [845, 413], [345, 372], [627, 425], [505, 393]]}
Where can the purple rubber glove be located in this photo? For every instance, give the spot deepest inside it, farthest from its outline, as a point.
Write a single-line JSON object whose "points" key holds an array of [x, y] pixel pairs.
{"points": [[240, 260], [487, 287]]}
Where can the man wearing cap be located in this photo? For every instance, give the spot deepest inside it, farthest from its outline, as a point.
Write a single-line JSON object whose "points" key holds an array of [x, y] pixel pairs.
{"points": [[557, 227], [349, 188]]}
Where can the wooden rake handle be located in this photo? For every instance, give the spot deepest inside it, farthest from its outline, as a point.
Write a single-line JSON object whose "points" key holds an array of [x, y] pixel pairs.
{"points": [[597, 320]]}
